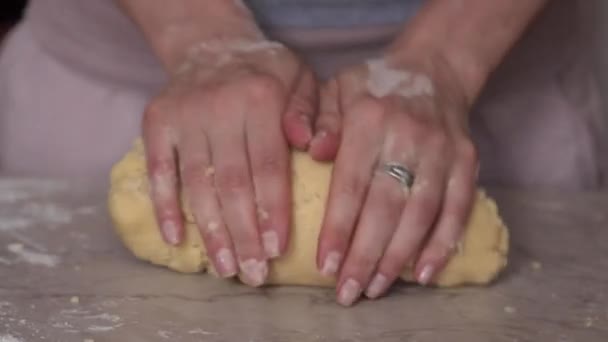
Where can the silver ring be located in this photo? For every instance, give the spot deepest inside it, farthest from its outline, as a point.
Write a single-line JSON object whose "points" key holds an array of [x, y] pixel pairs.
{"points": [[400, 173]]}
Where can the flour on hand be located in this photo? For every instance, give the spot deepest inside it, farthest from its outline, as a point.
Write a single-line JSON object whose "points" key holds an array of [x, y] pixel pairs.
{"points": [[384, 81]]}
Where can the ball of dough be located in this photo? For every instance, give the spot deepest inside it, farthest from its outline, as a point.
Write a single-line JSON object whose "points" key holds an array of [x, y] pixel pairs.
{"points": [[481, 255]]}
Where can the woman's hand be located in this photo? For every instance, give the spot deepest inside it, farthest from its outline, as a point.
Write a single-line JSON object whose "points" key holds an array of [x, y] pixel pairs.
{"points": [[412, 113], [217, 131]]}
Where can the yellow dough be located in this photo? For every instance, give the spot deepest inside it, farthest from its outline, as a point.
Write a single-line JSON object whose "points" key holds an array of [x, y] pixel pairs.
{"points": [[481, 255]]}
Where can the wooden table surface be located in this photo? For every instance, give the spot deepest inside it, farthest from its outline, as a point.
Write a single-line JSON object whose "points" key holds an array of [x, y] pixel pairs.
{"points": [[65, 277]]}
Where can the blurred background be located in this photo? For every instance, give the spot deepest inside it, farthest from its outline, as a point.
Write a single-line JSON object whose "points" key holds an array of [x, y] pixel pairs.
{"points": [[10, 12]]}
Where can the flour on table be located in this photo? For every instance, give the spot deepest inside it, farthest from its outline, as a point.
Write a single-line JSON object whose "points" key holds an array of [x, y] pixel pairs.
{"points": [[32, 257], [14, 223], [200, 331], [164, 334], [13, 196], [48, 213], [14, 190], [103, 328], [102, 322], [9, 338]]}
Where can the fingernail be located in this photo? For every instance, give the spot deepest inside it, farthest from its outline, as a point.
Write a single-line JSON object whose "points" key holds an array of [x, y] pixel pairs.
{"points": [[170, 232], [425, 276], [331, 264], [226, 263], [254, 272], [270, 241], [377, 286], [349, 293]]}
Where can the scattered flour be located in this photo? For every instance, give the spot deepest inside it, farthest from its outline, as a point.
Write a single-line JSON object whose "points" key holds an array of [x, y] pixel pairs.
{"points": [[14, 223], [200, 331], [164, 334], [13, 196], [103, 328], [9, 338], [90, 210], [31, 257], [105, 317], [14, 190], [48, 213]]}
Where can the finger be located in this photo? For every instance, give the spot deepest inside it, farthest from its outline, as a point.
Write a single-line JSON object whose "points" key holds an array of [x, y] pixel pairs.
{"points": [[352, 173], [235, 192], [416, 221], [379, 218], [162, 173], [324, 145], [454, 215], [269, 156], [300, 112], [197, 179]]}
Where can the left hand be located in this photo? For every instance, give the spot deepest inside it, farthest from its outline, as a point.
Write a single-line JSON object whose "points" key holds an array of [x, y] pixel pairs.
{"points": [[413, 113]]}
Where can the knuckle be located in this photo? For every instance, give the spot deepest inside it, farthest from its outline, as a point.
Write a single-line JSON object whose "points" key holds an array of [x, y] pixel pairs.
{"points": [[428, 201], [352, 187], [437, 140], [269, 164], [437, 252], [193, 173], [442, 248], [161, 167], [246, 243], [467, 151], [394, 263], [373, 110], [262, 87], [420, 124], [153, 113], [362, 261], [154, 108], [232, 179]]}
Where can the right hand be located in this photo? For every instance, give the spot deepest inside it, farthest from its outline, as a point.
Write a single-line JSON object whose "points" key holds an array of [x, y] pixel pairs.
{"points": [[220, 131]]}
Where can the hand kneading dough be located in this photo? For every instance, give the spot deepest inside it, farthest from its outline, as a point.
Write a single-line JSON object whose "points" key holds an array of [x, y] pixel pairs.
{"points": [[481, 255]]}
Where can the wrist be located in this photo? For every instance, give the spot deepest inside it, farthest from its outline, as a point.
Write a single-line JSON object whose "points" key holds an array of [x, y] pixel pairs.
{"points": [[459, 67], [177, 44]]}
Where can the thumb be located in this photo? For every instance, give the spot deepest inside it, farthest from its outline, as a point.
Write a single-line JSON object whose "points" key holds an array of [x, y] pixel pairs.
{"points": [[301, 111], [324, 145]]}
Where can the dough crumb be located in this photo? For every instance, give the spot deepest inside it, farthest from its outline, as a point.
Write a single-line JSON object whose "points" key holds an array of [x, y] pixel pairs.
{"points": [[88, 340], [589, 322], [74, 300], [510, 310], [536, 265]]}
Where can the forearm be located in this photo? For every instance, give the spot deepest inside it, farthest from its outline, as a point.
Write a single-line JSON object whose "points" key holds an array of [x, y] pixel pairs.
{"points": [[173, 27], [472, 36]]}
